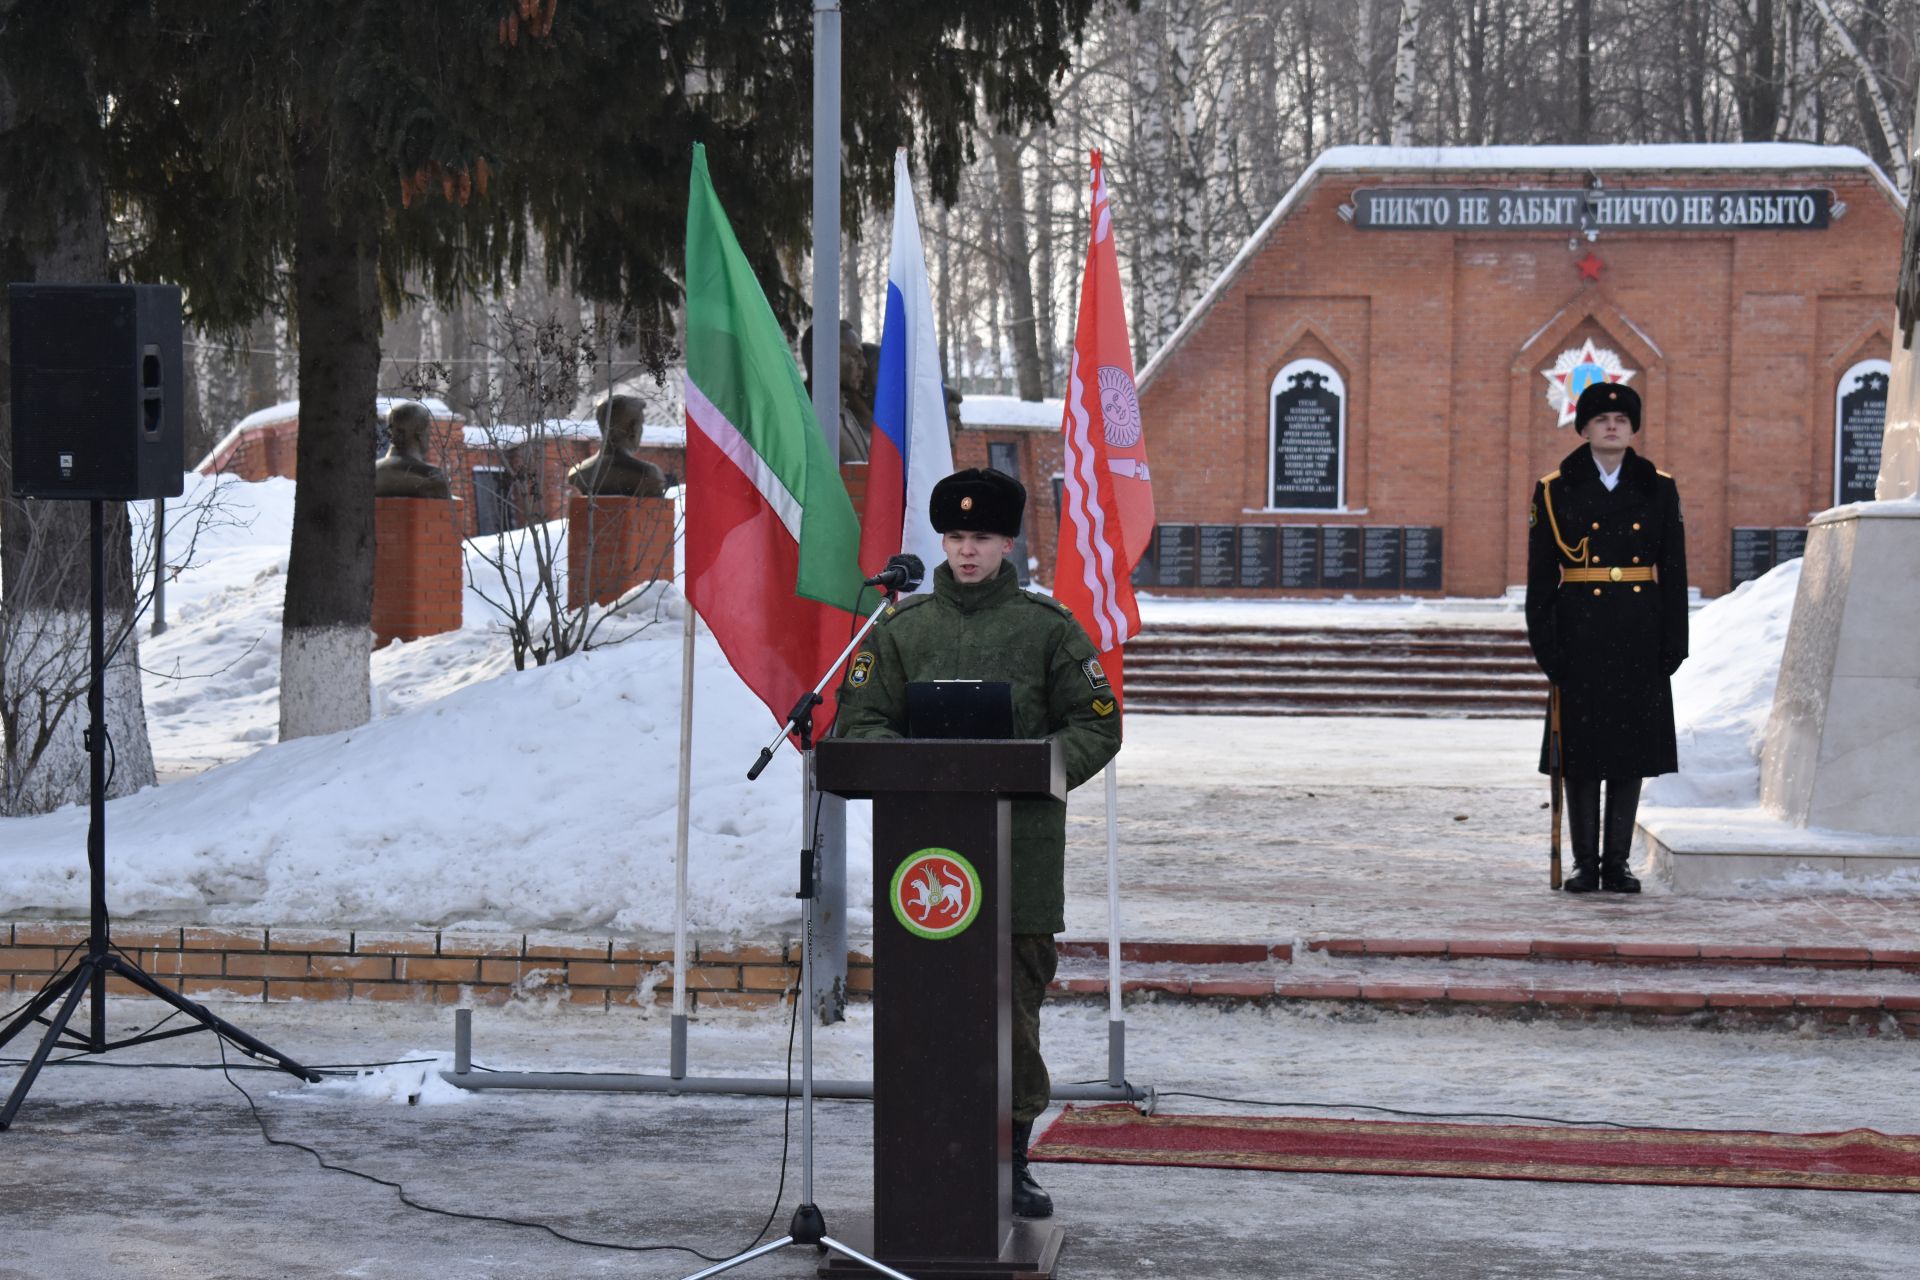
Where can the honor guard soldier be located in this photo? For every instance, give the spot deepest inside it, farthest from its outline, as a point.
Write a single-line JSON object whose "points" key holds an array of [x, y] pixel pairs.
{"points": [[1607, 620], [977, 624]]}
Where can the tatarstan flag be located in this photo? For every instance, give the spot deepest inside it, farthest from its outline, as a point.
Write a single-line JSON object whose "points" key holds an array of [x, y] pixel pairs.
{"points": [[771, 539]]}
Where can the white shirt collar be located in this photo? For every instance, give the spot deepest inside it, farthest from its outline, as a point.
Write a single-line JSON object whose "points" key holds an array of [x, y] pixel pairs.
{"points": [[1611, 479]]}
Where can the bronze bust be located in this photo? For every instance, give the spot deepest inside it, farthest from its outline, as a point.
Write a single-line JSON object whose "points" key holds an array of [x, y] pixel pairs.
{"points": [[405, 471], [859, 374], [614, 472]]}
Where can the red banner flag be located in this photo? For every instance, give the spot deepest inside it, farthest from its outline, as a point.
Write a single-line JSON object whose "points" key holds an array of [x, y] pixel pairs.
{"points": [[1106, 514]]}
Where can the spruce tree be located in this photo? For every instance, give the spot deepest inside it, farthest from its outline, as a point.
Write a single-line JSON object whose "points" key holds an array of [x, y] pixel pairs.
{"points": [[319, 154]]}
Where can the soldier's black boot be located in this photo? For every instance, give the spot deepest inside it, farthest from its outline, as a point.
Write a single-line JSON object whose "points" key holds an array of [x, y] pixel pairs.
{"points": [[1623, 803], [1583, 824], [1029, 1201]]}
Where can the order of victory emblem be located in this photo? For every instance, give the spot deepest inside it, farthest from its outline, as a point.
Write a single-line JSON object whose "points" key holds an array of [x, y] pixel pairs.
{"points": [[1577, 370], [1119, 406], [936, 894]]}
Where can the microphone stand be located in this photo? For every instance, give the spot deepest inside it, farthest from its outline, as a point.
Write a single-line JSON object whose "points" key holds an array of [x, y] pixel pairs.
{"points": [[809, 1225]]}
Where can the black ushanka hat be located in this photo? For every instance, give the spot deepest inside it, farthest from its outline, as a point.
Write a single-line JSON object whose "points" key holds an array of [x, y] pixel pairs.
{"points": [[978, 500], [1606, 397]]}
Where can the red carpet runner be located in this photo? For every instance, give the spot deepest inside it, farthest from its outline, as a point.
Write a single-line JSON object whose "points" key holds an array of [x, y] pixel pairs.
{"points": [[1857, 1160]]}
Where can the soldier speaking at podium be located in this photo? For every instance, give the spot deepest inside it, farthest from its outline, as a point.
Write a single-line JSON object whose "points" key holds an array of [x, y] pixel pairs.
{"points": [[1607, 620], [977, 624]]}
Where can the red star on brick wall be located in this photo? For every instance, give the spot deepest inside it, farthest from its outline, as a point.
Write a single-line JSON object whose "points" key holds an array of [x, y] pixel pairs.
{"points": [[1590, 266]]}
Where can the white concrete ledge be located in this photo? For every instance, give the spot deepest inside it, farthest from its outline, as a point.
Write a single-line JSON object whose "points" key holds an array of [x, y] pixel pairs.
{"points": [[1714, 850]]}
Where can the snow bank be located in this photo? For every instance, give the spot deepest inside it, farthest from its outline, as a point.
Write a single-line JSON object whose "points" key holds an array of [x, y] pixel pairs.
{"points": [[1723, 693], [479, 796]]}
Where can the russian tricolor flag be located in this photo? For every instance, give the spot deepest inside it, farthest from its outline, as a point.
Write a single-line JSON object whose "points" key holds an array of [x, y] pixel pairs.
{"points": [[910, 451]]}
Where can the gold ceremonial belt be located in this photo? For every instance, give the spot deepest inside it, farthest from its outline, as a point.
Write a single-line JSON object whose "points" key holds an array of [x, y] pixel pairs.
{"points": [[1639, 573]]}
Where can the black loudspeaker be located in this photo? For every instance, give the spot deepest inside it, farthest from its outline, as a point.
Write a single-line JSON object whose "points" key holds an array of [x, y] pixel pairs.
{"points": [[96, 391]]}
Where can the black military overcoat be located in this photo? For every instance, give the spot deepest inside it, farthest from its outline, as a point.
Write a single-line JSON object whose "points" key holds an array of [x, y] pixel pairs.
{"points": [[1609, 645]]}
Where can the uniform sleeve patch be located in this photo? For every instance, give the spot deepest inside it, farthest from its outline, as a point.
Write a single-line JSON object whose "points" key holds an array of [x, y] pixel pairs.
{"points": [[1103, 706], [1533, 514], [861, 670], [1096, 675]]}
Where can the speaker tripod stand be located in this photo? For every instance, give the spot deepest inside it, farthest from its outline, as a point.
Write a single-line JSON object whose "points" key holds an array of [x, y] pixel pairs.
{"points": [[102, 961]]}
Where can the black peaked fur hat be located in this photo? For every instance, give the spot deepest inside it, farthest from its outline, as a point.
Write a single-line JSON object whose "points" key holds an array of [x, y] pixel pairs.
{"points": [[1606, 397], [978, 500]]}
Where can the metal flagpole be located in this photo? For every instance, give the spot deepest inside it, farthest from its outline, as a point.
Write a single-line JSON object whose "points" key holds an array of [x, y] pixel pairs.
{"points": [[678, 1058], [1116, 1021], [830, 907]]}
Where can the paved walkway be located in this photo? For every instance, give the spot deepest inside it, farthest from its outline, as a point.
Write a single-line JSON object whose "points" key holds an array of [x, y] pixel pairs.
{"points": [[1275, 830]]}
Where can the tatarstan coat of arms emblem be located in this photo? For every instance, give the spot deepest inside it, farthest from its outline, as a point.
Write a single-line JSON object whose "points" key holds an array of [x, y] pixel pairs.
{"points": [[935, 894]]}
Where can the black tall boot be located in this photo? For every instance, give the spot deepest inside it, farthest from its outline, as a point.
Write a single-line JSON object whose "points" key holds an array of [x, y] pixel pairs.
{"points": [[1583, 824], [1623, 802], [1029, 1201]]}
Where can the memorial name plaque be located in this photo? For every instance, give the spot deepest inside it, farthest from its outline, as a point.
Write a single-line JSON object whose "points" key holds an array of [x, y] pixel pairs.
{"points": [[1859, 422], [1177, 555], [1306, 438], [1299, 557], [1259, 556], [1423, 568], [1752, 554], [1380, 558], [1219, 557], [1789, 544], [1339, 556]]}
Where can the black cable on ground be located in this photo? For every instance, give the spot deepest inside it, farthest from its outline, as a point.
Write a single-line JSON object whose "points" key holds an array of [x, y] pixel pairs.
{"points": [[400, 1190]]}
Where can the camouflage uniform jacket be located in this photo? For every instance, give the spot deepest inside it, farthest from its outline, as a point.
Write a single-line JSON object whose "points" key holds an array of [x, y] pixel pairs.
{"points": [[995, 631]]}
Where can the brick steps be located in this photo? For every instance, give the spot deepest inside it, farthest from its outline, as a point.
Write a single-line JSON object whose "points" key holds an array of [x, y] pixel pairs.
{"points": [[1830, 990], [1203, 669]]}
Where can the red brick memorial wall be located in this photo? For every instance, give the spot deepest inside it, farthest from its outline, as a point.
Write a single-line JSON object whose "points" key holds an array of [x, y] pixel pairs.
{"points": [[1362, 403]]}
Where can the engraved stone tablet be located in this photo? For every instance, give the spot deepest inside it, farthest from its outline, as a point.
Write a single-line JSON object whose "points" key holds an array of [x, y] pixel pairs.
{"points": [[1752, 554], [1422, 565], [1339, 556], [1859, 422], [1380, 558], [1219, 557], [1178, 547], [1300, 557], [1259, 556], [1307, 437]]}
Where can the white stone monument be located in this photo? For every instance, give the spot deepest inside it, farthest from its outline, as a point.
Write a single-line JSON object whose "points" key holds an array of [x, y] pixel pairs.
{"points": [[1839, 790]]}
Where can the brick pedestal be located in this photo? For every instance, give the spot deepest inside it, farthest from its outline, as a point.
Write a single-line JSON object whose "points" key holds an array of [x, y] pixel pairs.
{"points": [[614, 545], [418, 575], [854, 476]]}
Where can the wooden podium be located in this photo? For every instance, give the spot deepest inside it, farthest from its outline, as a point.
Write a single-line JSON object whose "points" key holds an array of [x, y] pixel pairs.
{"points": [[943, 1003]]}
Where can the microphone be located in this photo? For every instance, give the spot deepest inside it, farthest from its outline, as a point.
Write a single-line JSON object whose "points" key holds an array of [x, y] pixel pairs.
{"points": [[903, 573]]}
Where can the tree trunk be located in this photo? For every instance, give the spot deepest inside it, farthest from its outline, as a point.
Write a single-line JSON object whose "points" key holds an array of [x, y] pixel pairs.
{"points": [[1583, 70], [1476, 20], [45, 614], [1801, 120], [1043, 237], [1756, 80], [1890, 147], [457, 349], [325, 640], [263, 364], [1016, 263], [1405, 64]]}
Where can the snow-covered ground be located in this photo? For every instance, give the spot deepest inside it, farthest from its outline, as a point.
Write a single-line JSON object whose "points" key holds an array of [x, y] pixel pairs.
{"points": [[484, 797], [212, 1199]]}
